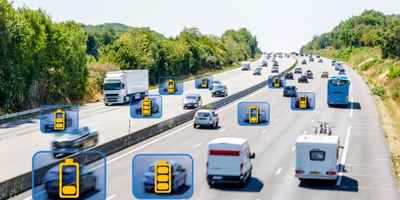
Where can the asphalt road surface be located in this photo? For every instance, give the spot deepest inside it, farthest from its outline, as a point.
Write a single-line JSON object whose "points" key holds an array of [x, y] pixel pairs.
{"points": [[19, 141], [365, 155]]}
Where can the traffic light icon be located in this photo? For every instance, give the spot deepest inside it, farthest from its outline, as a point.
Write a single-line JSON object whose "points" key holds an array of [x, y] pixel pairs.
{"points": [[68, 186], [254, 114], [162, 178], [171, 88], [146, 107], [59, 120]]}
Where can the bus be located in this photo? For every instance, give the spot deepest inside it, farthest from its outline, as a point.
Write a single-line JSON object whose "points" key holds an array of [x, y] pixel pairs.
{"points": [[338, 90]]}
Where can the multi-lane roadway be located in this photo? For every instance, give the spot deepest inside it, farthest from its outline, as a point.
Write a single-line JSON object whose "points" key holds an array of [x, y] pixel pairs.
{"points": [[367, 173]]}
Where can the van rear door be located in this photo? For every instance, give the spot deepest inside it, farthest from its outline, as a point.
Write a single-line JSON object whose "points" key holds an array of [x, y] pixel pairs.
{"points": [[224, 162]]}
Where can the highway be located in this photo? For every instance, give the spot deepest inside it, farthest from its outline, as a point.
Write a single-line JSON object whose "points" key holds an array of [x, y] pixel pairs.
{"points": [[23, 139], [365, 155]]}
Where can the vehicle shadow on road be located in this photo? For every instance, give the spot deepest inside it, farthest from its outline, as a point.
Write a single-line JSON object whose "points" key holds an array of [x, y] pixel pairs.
{"points": [[254, 185], [351, 105], [347, 185]]}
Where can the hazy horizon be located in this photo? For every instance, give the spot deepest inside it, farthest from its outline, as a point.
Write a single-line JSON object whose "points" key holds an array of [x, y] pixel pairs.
{"points": [[277, 26]]}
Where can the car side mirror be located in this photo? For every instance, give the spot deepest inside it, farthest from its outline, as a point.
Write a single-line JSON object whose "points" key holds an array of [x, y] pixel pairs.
{"points": [[252, 155]]}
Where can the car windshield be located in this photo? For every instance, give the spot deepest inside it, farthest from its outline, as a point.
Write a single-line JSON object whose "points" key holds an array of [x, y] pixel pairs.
{"points": [[219, 87], [203, 114], [338, 82], [191, 97], [112, 86]]}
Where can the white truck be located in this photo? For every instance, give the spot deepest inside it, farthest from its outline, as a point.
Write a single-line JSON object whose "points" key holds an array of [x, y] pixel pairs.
{"points": [[119, 86], [229, 161], [317, 157]]}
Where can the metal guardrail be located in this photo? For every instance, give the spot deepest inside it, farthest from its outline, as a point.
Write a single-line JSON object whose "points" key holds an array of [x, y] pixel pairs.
{"points": [[17, 114], [22, 183]]}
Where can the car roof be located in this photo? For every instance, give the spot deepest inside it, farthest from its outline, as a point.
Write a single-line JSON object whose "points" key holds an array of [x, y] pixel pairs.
{"points": [[228, 140]]}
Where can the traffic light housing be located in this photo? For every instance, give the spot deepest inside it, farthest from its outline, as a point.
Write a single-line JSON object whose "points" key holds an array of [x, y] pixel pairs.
{"points": [[171, 88], [253, 114], [163, 178], [59, 120], [146, 107]]}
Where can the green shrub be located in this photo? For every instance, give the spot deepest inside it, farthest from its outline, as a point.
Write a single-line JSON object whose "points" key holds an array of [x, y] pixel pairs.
{"points": [[394, 72], [379, 91]]}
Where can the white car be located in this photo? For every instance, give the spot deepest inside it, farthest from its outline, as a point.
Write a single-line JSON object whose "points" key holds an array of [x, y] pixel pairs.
{"points": [[192, 100], [206, 118], [317, 157], [229, 161]]}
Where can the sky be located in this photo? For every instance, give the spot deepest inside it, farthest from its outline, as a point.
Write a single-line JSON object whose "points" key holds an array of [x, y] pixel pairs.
{"points": [[279, 25]]}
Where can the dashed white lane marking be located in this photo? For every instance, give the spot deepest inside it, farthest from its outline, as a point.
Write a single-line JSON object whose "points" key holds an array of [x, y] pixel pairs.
{"points": [[197, 145], [278, 171], [344, 155], [222, 130], [111, 197], [28, 198]]}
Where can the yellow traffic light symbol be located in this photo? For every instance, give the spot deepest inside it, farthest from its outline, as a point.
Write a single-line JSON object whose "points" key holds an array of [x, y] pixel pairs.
{"points": [[204, 83], [254, 114], [162, 178], [59, 120], [171, 88], [146, 106], [68, 189], [277, 83], [303, 102]]}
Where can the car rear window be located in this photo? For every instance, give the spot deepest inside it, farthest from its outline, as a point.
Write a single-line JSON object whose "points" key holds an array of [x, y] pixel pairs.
{"points": [[224, 153], [317, 155], [203, 114]]}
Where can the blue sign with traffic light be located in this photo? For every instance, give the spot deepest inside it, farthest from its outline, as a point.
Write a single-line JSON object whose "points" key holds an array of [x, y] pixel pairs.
{"points": [[170, 86], [149, 107], [81, 176], [203, 82], [276, 82], [253, 113], [162, 176], [304, 101], [59, 119]]}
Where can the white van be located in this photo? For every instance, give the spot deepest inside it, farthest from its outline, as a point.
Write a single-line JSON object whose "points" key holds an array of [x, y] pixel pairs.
{"points": [[317, 157], [229, 161]]}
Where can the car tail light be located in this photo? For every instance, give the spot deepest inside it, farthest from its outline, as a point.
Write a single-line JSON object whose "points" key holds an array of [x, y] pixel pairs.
{"points": [[299, 171], [331, 173]]}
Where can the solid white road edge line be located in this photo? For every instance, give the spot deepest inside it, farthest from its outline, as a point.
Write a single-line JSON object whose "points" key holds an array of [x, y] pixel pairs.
{"points": [[111, 197], [345, 150], [278, 171]]}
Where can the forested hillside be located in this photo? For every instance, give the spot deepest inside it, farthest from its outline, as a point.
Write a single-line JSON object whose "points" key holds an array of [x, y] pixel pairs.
{"points": [[45, 62]]}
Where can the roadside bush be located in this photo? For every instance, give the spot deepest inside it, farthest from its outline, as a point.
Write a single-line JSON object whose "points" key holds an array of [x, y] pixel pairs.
{"points": [[379, 91], [394, 72]]}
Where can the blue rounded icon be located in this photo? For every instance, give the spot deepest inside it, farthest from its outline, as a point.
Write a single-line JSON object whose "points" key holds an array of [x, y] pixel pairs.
{"points": [[204, 82], [276, 82], [162, 176], [253, 113], [149, 107], [170, 86], [304, 101], [81, 176], [59, 119]]}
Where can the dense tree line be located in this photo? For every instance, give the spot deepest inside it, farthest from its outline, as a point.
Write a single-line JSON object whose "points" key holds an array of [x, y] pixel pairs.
{"points": [[46, 62], [187, 53], [370, 29], [40, 61]]}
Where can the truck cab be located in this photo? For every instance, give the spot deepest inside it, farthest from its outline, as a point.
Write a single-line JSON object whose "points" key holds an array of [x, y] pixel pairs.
{"points": [[229, 161]]}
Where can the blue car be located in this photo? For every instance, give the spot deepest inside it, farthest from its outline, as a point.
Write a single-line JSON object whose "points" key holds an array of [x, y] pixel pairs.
{"points": [[179, 176], [87, 183]]}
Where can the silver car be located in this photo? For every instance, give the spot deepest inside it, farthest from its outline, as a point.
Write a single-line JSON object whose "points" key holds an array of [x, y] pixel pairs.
{"points": [[192, 101], [206, 118]]}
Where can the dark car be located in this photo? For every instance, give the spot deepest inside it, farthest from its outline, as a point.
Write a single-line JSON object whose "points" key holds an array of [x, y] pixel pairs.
{"points": [[298, 70], [302, 79], [257, 71], [320, 60], [342, 71], [304, 62], [325, 74], [264, 63], [275, 70], [309, 74], [219, 91], [69, 144], [289, 75], [333, 62], [87, 181], [290, 91], [179, 176], [311, 59], [276, 64]]}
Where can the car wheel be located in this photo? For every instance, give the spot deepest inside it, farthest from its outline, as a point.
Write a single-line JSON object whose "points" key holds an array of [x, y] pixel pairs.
{"points": [[194, 125], [216, 125]]}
